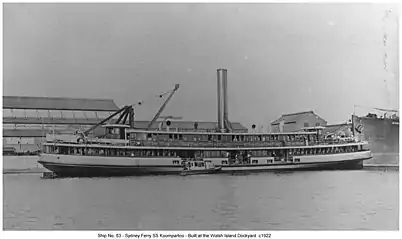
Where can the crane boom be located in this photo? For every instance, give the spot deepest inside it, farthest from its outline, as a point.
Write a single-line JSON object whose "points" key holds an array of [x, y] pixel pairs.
{"points": [[103, 121], [176, 87]]}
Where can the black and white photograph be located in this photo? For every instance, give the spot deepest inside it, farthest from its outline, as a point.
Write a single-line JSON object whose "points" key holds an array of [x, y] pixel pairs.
{"points": [[156, 120]]}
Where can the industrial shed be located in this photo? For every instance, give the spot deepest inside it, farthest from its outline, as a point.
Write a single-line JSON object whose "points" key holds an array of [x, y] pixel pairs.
{"points": [[296, 121], [27, 120]]}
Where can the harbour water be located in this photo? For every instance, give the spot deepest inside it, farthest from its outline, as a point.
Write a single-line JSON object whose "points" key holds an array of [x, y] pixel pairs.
{"points": [[323, 200]]}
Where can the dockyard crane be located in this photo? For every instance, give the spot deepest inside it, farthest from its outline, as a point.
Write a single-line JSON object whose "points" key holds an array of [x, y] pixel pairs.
{"points": [[128, 112], [176, 87]]}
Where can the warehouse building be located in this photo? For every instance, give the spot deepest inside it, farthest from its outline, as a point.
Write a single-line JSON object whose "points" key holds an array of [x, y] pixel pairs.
{"points": [[297, 121], [27, 120]]}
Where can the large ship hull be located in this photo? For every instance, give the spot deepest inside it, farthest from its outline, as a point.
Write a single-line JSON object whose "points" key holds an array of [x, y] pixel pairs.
{"points": [[92, 166], [382, 135]]}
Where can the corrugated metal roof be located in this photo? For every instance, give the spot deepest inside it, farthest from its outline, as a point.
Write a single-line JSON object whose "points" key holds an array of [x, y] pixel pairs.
{"points": [[294, 117], [56, 103]]}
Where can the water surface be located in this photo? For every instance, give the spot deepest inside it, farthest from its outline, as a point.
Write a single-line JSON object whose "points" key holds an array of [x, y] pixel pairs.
{"points": [[326, 200]]}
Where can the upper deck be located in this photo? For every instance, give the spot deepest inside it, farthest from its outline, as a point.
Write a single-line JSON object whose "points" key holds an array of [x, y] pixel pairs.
{"points": [[121, 136]]}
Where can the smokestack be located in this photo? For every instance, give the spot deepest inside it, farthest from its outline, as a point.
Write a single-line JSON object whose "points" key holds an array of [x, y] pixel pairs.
{"points": [[220, 100], [225, 97]]}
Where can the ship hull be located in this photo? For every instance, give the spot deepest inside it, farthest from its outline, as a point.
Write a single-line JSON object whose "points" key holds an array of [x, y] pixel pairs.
{"points": [[81, 170], [382, 136], [91, 166]]}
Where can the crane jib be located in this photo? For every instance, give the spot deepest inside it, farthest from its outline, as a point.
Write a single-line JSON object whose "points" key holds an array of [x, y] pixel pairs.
{"points": [[163, 106]]}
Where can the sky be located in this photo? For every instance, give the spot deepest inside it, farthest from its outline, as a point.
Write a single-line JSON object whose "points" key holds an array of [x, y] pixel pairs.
{"points": [[281, 58]]}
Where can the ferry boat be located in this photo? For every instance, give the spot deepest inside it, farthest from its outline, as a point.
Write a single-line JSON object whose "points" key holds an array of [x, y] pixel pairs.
{"points": [[125, 150], [199, 167]]}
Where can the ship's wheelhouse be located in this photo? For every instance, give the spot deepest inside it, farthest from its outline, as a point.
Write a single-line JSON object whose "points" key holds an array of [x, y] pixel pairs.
{"points": [[115, 131]]}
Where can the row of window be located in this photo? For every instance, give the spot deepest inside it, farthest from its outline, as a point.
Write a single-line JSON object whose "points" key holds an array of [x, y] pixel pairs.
{"points": [[213, 144], [225, 138], [195, 154], [329, 150], [308, 125], [254, 161], [296, 160]]}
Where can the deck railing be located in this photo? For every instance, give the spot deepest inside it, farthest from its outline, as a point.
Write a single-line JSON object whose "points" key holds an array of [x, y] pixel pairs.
{"points": [[214, 144]]}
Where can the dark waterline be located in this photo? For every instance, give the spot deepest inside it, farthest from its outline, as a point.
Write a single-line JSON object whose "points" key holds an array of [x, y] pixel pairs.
{"points": [[323, 200]]}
